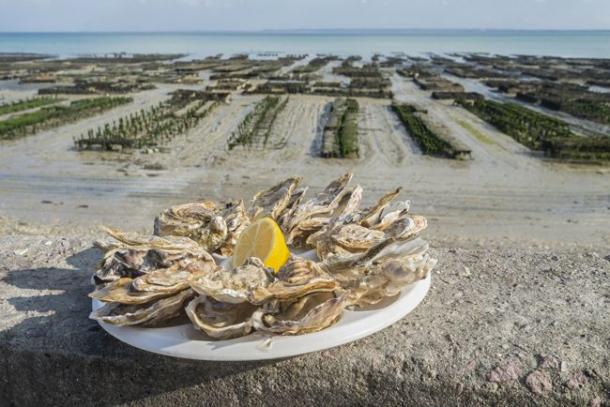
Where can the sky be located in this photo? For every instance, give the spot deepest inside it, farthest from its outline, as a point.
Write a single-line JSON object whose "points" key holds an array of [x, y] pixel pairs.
{"points": [[247, 15]]}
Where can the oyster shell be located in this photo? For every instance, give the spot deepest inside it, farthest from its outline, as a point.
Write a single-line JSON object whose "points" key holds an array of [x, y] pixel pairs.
{"points": [[237, 221], [295, 200], [148, 314], [371, 216], [130, 255], [235, 285], [390, 277], [200, 221], [297, 278], [171, 279], [311, 313], [122, 292], [273, 201], [344, 240], [313, 214], [220, 320], [400, 210], [366, 273]]}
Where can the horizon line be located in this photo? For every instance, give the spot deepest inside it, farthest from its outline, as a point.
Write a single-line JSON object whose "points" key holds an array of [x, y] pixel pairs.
{"points": [[312, 30]]}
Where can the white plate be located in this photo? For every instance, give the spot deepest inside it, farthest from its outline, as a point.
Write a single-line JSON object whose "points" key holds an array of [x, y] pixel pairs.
{"points": [[184, 341]]}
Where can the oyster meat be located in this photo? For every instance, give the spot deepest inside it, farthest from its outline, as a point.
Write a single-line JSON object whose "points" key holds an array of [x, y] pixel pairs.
{"points": [[233, 286]]}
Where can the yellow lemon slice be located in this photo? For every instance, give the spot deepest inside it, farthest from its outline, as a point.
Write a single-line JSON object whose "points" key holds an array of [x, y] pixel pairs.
{"points": [[263, 239]]}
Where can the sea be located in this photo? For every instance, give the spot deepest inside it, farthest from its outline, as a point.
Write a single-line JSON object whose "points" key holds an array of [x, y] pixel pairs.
{"points": [[593, 44]]}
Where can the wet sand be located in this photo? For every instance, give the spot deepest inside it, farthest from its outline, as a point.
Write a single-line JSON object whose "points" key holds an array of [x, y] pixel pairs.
{"points": [[504, 192]]}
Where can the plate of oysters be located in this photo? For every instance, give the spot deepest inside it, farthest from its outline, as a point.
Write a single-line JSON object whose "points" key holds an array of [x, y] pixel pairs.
{"points": [[280, 275]]}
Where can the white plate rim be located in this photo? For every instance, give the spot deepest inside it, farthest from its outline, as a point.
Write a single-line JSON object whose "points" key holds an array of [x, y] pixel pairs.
{"points": [[178, 341]]}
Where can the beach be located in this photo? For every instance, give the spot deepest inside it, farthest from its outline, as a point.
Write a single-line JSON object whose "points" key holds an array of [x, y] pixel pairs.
{"points": [[503, 192]]}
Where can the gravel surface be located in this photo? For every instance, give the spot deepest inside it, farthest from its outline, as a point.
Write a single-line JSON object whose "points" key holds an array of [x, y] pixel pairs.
{"points": [[504, 323]]}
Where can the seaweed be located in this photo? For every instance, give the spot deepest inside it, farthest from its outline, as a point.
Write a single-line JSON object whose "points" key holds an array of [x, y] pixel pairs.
{"points": [[255, 129], [53, 116], [340, 135], [428, 141]]}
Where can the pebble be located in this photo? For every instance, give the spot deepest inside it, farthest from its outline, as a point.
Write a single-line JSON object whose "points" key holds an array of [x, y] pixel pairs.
{"points": [[539, 382], [505, 373], [577, 380], [549, 362]]}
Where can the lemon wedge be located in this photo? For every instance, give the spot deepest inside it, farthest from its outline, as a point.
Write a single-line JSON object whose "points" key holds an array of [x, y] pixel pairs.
{"points": [[263, 239]]}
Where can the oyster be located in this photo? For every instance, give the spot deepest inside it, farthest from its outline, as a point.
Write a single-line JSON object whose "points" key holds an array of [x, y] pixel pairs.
{"points": [[406, 227], [371, 216], [235, 285], [122, 292], [377, 271], [148, 314], [344, 240], [201, 222], [220, 320], [237, 221], [399, 211], [130, 255], [313, 214], [171, 279], [390, 277], [297, 278], [275, 200], [311, 313], [295, 200]]}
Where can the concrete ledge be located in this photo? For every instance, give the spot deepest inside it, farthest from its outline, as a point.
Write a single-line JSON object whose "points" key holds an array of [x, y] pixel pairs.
{"points": [[502, 325]]}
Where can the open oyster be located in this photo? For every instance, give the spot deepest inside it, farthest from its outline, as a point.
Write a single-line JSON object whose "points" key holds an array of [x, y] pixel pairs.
{"points": [[220, 320], [148, 314], [310, 216], [363, 255], [299, 277], [131, 255], [202, 222], [234, 286], [275, 200], [311, 313]]}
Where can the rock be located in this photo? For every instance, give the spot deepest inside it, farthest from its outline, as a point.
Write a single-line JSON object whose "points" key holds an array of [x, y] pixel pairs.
{"points": [[577, 381], [21, 252], [549, 362], [539, 382], [505, 373]]}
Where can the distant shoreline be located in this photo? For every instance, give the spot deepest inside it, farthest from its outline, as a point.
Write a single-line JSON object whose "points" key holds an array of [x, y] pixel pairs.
{"points": [[366, 42], [330, 31]]}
